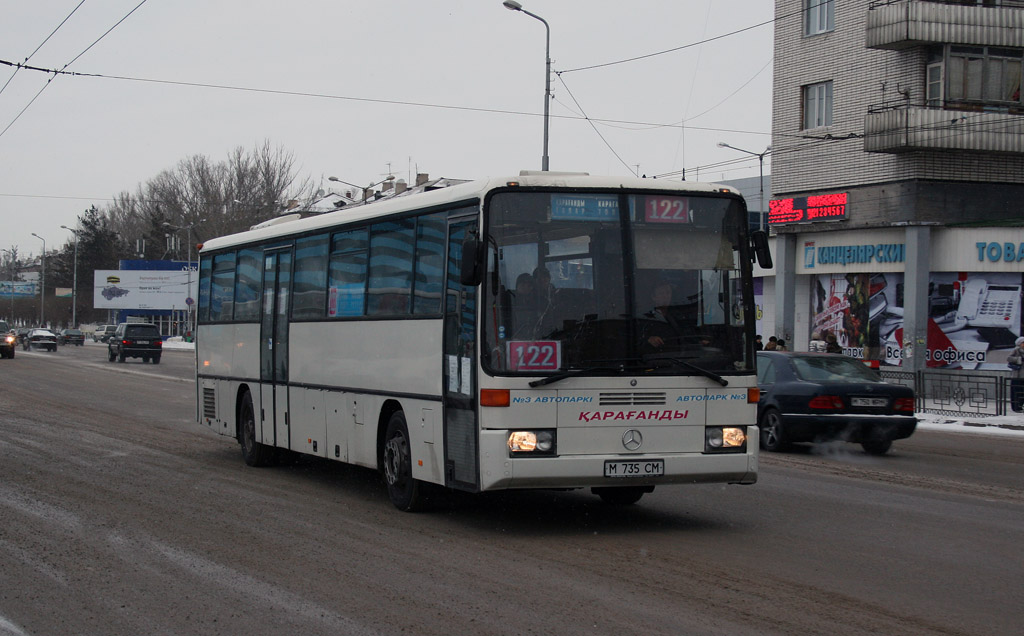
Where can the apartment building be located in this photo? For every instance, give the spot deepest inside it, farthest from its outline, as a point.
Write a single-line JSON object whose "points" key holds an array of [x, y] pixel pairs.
{"points": [[898, 178]]}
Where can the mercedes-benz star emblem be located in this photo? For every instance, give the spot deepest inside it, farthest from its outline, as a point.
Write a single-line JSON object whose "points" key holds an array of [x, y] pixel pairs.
{"points": [[632, 439]]}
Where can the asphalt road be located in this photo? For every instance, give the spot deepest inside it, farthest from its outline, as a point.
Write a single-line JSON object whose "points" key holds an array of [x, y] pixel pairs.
{"points": [[119, 514]]}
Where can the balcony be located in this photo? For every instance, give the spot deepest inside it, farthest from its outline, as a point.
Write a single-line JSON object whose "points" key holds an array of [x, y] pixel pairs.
{"points": [[897, 128], [902, 24]]}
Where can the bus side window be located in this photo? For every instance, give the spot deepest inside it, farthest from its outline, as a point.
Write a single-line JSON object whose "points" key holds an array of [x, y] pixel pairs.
{"points": [[248, 277], [222, 290], [430, 238], [309, 281], [391, 265], [205, 276], [346, 291]]}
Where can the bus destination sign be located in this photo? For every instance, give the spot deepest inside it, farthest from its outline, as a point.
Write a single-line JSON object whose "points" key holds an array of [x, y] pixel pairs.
{"points": [[822, 207]]}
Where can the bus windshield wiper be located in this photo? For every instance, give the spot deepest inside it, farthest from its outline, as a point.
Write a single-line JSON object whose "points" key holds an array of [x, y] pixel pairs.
{"points": [[580, 371], [689, 365]]}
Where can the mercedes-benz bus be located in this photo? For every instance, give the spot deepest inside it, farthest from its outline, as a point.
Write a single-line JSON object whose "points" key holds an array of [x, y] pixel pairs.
{"points": [[540, 331]]}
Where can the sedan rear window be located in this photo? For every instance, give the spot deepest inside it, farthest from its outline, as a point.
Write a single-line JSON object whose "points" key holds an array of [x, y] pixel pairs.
{"points": [[141, 330], [833, 369]]}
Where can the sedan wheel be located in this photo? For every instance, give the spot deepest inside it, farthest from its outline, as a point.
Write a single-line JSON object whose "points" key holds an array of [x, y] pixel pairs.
{"points": [[773, 437], [876, 446]]}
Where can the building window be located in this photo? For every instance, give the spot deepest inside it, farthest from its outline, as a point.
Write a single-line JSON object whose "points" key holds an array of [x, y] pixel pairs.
{"points": [[817, 105], [819, 16], [975, 76]]}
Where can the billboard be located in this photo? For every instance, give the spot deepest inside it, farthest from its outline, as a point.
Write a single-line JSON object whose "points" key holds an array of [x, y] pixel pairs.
{"points": [[18, 289], [142, 289]]}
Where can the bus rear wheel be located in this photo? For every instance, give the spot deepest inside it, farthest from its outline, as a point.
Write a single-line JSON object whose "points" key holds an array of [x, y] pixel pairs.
{"points": [[254, 453], [406, 492]]}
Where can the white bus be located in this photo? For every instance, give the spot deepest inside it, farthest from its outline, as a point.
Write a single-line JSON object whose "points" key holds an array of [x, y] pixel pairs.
{"points": [[541, 331]]}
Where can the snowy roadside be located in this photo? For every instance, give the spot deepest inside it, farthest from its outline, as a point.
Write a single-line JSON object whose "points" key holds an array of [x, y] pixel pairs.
{"points": [[1010, 425]]}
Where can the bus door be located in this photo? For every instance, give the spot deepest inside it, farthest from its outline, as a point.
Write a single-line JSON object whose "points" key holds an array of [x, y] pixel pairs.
{"points": [[277, 269], [461, 440]]}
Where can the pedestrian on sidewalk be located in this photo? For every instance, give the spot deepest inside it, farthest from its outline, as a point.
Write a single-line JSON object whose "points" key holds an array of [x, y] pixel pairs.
{"points": [[1016, 363], [817, 343]]}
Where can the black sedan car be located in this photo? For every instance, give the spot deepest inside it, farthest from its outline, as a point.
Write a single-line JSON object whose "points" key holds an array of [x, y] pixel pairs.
{"points": [[71, 337], [817, 397], [40, 339]]}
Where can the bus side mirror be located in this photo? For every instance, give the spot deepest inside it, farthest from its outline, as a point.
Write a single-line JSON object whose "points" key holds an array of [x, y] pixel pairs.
{"points": [[469, 274], [759, 239]]}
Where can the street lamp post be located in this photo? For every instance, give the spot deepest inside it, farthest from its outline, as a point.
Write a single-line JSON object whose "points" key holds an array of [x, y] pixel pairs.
{"points": [[74, 283], [760, 160], [188, 269], [366, 190], [512, 5], [11, 268], [42, 289]]}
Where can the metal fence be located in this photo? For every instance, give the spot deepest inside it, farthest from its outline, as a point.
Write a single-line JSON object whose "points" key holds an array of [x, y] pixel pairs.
{"points": [[957, 392]]}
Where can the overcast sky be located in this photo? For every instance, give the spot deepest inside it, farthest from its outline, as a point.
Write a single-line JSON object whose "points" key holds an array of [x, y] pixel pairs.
{"points": [[453, 88]]}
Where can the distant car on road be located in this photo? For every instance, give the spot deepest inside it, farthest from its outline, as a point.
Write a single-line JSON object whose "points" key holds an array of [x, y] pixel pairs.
{"points": [[71, 336], [817, 397], [8, 340], [135, 340], [40, 339], [21, 333], [103, 333]]}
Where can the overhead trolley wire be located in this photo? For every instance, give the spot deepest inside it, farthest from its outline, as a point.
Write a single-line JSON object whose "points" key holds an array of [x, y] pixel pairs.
{"points": [[62, 72], [47, 39]]}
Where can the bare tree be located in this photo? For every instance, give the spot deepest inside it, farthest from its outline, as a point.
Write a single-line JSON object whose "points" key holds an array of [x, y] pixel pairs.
{"points": [[207, 199]]}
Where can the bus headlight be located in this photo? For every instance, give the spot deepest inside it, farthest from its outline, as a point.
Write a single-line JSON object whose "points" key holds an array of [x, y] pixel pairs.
{"points": [[725, 439], [531, 442]]}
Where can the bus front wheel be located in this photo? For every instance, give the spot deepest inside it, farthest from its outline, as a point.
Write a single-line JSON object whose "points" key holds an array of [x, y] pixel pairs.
{"points": [[254, 453], [405, 491]]}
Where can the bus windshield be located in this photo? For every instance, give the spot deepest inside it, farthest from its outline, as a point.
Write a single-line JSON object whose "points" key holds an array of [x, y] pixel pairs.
{"points": [[604, 281]]}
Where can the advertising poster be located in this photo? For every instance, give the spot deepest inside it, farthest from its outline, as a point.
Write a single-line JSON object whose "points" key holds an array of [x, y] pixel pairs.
{"points": [[141, 289], [17, 289], [973, 320], [843, 305]]}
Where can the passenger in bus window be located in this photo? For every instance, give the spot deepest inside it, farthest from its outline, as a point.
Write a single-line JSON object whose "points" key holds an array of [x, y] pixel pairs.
{"points": [[524, 307]]}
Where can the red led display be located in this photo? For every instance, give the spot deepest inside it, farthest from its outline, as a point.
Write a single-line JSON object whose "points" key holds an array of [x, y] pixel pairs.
{"points": [[822, 207]]}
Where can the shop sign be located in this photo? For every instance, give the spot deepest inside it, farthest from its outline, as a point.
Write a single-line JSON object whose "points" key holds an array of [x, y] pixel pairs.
{"points": [[994, 252], [822, 207], [853, 254]]}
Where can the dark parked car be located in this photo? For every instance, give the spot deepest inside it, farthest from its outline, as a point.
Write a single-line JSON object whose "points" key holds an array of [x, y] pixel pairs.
{"points": [[135, 340], [71, 336], [814, 397], [40, 339]]}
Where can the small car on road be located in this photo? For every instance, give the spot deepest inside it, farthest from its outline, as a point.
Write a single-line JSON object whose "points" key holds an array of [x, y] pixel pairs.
{"points": [[819, 397], [8, 340], [40, 339], [71, 336], [135, 340], [103, 333]]}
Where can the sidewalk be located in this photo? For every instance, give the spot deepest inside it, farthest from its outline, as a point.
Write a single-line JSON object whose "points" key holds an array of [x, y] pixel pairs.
{"points": [[1012, 424]]}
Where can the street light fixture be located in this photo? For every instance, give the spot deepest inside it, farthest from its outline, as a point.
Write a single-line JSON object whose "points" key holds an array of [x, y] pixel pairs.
{"points": [[366, 190], [189, 301], [42, 289], [760, 160], [512, 5], [74, 284]]}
